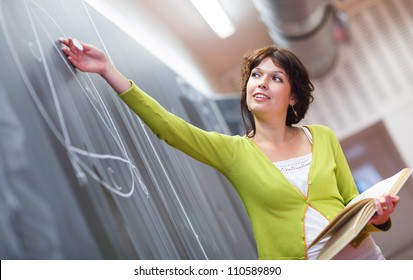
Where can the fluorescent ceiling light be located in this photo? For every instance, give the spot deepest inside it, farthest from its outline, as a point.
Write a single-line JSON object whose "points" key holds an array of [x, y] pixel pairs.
{"points": [[215, 16]]}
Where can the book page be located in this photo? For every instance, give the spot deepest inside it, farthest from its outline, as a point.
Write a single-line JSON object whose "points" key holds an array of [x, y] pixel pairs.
{"points": [[342, 218], [379, 189], [346, 233]]}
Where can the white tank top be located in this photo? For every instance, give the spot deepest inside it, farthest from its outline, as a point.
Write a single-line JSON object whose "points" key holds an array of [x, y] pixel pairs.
{"points": [[296, 171]]}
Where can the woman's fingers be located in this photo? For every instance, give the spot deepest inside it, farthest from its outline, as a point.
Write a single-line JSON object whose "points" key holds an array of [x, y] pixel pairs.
{"points": [[84, 57], [64, 41], [386, 204], [78, 45], [395, 201], [72, 50], [73, 45], [379, 206]]}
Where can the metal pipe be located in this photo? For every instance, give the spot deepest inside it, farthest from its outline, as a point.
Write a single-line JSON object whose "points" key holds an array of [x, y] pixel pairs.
{"points": [[303, 26]]}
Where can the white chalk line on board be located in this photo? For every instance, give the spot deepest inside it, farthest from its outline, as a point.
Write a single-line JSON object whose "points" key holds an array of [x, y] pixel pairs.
{"points": [[72, 156], [154, 151], [111, 129], [64, 139]]}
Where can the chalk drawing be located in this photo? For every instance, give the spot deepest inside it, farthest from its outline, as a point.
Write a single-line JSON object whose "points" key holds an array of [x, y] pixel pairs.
{"points": [[60, 130], [77, 155]]}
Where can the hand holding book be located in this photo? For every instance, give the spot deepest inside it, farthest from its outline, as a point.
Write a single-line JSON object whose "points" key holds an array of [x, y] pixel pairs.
{"points": [[385, 206], [372, 206]]}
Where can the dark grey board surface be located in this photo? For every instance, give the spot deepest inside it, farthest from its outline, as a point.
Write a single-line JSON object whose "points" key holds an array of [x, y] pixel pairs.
{"points": [[81, 177]]}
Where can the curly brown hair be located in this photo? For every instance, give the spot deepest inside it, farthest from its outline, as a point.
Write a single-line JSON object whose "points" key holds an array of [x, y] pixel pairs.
{"points": [[301, 86]]}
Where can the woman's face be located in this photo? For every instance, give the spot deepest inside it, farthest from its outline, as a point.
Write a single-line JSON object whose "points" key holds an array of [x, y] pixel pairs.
{"points": [[269, 91]]}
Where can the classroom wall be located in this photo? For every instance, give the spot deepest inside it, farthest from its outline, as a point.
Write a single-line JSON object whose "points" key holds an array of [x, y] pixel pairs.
{"points": [[371, 81]]}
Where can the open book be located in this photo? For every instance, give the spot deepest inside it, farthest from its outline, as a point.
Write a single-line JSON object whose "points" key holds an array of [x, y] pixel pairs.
{"points": [[352, 219]]}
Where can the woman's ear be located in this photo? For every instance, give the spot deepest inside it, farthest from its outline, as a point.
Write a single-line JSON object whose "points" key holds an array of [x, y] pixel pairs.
{"points": [[293, 100]]}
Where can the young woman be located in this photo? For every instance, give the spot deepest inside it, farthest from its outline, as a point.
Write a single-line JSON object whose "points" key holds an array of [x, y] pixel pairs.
{"points": [[292, 180]]}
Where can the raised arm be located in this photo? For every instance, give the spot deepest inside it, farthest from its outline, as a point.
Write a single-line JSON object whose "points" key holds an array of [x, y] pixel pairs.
{"points": [[211, 148], [88, 58]]}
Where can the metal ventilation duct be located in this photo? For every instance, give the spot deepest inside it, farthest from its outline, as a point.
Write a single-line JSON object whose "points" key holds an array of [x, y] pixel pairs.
{"points": [[303, 26]]}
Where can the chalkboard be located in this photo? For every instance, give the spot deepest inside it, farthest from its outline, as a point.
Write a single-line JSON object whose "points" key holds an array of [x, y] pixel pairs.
{"points": [[81, 177]]}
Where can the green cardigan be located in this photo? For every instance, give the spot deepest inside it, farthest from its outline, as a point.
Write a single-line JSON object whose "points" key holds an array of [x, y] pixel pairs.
{"points": [[275, 206]]}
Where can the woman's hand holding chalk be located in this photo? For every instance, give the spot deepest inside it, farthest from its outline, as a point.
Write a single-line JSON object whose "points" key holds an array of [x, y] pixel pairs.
{"points": [[77, 44], [86, 58]]}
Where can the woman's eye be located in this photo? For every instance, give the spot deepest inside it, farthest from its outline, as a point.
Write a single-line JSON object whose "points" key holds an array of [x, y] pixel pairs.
{"points": [[254, 74], [278, 79]]}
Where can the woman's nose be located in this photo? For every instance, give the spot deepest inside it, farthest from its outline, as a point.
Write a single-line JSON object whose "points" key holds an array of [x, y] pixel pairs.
{"points": [[263, 85]]}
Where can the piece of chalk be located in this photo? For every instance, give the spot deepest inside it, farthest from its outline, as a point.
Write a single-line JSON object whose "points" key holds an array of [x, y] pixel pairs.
{"points": [[78, 46]]}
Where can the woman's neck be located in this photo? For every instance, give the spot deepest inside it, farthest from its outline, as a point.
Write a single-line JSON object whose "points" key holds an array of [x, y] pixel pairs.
{"points": [[273, 132]]}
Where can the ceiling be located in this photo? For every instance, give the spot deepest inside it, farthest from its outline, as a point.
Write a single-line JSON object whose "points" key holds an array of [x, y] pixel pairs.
{"points": [[218, 59], [216, 56]]}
